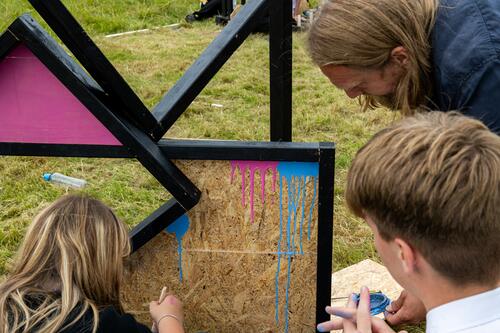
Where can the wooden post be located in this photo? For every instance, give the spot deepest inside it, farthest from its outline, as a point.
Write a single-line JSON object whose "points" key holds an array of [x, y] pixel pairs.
{"points": [[280, 48]]}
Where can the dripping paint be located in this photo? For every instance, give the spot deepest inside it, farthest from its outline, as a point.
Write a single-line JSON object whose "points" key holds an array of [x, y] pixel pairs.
{"points": [[253, 166], [179, 227], [292, 219]]}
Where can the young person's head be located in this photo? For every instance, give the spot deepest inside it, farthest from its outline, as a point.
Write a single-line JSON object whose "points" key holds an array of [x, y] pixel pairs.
{"points": [[70, 262], [376, 49], [430, 185]]}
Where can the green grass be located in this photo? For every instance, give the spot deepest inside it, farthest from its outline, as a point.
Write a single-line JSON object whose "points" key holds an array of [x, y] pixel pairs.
{"points": [[151, 63], [109, 16]]}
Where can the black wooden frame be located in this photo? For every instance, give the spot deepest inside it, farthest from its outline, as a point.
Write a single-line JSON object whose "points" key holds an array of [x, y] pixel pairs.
{"points": [[107, 95], [27, 31], [176, 101]]}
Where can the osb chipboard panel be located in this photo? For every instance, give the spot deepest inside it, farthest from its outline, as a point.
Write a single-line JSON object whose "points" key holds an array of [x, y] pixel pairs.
{"points": [[230, 260]]}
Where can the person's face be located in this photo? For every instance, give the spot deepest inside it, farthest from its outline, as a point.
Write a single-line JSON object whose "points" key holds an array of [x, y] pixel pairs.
{"points": [[364, 81]]}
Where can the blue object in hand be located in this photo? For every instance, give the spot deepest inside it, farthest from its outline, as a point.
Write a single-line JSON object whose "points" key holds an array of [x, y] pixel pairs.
{"points": [[378, 302]]}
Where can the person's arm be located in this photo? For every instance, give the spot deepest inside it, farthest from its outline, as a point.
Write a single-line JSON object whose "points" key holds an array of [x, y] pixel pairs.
{"points": [[112, 321], [407, 309], [167, 315]]}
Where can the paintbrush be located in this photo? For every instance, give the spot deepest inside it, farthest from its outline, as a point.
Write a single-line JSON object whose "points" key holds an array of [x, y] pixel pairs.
{"points": [[163, 295]]}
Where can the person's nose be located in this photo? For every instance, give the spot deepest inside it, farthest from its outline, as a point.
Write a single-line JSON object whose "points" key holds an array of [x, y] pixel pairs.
{"points": [[353, 93]]}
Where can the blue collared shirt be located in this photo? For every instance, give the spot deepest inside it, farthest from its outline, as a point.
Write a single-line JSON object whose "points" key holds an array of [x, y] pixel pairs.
{"points": [[466, 59]]}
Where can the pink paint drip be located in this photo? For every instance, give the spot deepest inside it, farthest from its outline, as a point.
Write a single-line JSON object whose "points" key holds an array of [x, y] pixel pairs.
{"points": [[253, 166]]}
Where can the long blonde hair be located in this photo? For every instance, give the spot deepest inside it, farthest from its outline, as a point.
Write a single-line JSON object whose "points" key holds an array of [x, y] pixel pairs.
{"points": [[362, 34], [70, 262]]}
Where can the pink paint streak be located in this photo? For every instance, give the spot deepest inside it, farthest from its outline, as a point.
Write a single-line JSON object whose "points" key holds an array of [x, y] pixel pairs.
{"points": [[37, 108], [253, 166]]}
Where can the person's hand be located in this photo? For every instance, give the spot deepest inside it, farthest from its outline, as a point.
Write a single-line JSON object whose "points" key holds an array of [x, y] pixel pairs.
{"points": [[407, 309], [170, 306], [355, 320]]}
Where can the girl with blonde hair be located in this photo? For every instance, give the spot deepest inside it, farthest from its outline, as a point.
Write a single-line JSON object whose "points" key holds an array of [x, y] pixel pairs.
{"points": [[409, 55], [68, 272]]}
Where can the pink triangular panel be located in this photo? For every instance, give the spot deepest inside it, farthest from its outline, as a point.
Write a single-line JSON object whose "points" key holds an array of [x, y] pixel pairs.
{"points": [[36, 108]]}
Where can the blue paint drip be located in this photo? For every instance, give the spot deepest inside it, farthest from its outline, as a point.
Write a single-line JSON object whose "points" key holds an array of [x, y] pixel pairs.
{"points": [[179, 227], [311, 211], [302, 217], [276, 287], [296, 195], [288, 277], [296, 174]]}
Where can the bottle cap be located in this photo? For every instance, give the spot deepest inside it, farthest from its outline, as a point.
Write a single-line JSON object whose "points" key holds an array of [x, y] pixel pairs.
{"points": [[47, 176], [378, 302]]}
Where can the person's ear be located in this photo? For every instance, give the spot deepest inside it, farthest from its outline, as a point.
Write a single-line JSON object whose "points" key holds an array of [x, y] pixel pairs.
{"points": [[407, 255], [399, 55]]}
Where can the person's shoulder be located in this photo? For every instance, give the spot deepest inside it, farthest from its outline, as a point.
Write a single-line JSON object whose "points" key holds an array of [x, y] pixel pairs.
{"points": [[468, 24], [111, 320], [465, 40]]}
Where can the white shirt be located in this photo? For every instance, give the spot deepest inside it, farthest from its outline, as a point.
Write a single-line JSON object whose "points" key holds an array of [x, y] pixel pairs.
{"points": [[475, 314]]}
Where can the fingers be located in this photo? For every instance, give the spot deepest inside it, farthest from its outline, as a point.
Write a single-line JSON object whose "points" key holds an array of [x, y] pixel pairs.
{"points": [[397, 304], [350, 326], [336, 323], [346, 313], [327, 326], [380, 326], [394, 318], [363, 319]]}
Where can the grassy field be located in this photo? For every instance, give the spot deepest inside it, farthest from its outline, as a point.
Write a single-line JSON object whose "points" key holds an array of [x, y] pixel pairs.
{"points": [[151, 63]]}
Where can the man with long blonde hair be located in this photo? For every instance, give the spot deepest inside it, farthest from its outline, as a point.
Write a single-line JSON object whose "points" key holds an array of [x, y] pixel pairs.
{"points": [[405, 55], [411, 55]]}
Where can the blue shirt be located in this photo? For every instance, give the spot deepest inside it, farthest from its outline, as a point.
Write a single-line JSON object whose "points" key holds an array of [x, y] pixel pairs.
{"points": [[466, 59]]}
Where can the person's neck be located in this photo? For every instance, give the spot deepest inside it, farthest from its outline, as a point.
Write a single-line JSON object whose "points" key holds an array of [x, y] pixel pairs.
{"points": [[438, 291]]}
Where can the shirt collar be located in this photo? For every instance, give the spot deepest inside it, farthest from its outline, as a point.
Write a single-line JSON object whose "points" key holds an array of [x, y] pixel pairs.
{"points": [[464, 313]]}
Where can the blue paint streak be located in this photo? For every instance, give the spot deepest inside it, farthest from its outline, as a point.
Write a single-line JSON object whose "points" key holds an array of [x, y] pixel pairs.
{"points": [[302, 217], [296, 174], [296, 196], [289, 275], [311, 211], [179, 227], [276, 287]]}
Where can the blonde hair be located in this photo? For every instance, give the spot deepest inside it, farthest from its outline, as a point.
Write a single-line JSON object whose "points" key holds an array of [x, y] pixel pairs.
{"points": [[362, 34], [70, 262], [434, 180]]}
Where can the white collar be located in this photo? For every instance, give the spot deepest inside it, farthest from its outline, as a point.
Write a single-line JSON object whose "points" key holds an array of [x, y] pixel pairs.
{"points": [[464, 313]]}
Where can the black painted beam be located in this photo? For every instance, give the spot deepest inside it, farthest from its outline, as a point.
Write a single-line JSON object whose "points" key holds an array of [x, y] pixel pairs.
{"points": [[177, 150], [239, 150], [280, 53], [155, 223], [63, 150], [7, 42], [180, 96], [325, 230]]}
